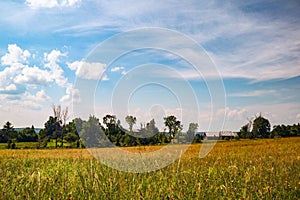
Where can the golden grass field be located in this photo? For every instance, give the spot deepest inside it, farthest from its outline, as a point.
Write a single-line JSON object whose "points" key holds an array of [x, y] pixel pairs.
{"points": [[246, 169]]}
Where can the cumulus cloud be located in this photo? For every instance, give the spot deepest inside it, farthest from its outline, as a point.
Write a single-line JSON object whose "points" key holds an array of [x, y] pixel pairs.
{"points": [[72, 94], [11, 88], [236, 114], [51, 3], [33, 75], [18, 79], [87, 70], [57, 74], [40, 96], [15, 55]]}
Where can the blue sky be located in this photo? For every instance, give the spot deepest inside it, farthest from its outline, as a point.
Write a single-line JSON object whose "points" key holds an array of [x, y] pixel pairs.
{"points": [[47, 49]]}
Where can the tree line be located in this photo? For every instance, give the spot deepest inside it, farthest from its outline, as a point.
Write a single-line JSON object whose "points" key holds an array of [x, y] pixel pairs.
{"points": [[109, 132], [260, 127], [96, 133]]}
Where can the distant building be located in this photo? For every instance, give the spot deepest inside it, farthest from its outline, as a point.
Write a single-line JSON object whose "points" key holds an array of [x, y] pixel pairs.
{"points": [[211, 135], [223, 135]]}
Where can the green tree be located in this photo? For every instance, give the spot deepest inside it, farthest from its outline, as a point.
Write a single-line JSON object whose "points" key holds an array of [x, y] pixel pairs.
{"points": [[28, 135], [148, 135], [52, 130], [190, 134], [261, 128], [61, 115], [9, 134], [244, 133], [113, 130], [173, 125], [131, 120], [92, 133], [70, 133]]}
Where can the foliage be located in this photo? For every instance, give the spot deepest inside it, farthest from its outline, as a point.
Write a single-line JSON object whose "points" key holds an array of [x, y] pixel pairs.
{"points": [[190, 134], [9, 135], [173, 125], [52, 130], [27, 135], [92, 132], [244, 133], [261, 128], [286, 131], [131, 120]]}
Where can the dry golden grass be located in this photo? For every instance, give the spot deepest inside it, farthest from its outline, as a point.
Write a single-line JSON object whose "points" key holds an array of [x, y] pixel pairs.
{"points": [[247, 169]]}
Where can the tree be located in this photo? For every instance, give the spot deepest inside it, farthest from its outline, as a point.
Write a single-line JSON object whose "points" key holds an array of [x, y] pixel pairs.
{"points": [[190, 134], [243, 133], [173, 125], [61, 116], [148, 135], [70, 133], [261, 128], [28, 135], [52, 130], [9, 134], [92, 133], [131, 120], [114, 131], [110, 121]]}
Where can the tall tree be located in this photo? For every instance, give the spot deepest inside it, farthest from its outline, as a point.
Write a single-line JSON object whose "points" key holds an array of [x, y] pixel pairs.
{"points": [[173, 125], [28, 135], [92, 132], [9, 134], [190, 134], [131, 120], [52, 130], [70, 133], [61, 115], [261, 127], [243, 133]]}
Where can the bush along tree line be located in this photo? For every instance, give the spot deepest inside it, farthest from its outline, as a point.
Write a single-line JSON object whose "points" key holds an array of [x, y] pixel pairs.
{"points": [[260, 127]]}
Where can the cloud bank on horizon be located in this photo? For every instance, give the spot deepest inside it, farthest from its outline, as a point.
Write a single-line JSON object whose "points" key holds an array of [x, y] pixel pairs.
{"points": [[254, 44]]}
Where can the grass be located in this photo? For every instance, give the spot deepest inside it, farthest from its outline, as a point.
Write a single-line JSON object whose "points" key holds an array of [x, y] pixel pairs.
{"points": [[247, 169]]}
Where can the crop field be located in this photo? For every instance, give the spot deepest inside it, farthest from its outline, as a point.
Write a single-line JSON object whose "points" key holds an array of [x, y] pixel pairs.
{"points": [[246, 169]]}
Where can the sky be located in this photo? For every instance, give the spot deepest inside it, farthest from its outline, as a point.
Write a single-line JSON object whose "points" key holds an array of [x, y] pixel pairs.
{"points": [[217, 63]]}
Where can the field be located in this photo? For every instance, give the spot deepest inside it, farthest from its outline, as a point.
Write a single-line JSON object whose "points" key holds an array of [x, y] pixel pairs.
{"points": [[247, 169]]}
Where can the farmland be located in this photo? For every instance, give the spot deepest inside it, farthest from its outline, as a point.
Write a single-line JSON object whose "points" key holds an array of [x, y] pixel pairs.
{"points": [[246, 169]]}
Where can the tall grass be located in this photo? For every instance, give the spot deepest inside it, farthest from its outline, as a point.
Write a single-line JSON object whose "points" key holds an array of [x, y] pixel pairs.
{"points": [[249, 169]]}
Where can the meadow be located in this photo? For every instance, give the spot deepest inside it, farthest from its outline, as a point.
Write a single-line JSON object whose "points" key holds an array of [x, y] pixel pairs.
{"points": [[245, 169]]}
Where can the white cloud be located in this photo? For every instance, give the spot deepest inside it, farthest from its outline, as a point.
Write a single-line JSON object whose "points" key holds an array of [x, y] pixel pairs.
{"points": [[33, 75], [116, 69], [298, 116], [7, 77], [86, 70], [71, 95], [40, 96], [56, 72], [51, 3], [11, 88], [234, 114], [15, 55]]}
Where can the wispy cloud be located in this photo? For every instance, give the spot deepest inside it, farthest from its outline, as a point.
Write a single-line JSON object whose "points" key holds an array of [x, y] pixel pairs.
{"points": [[254, 93], [51, 3]]}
